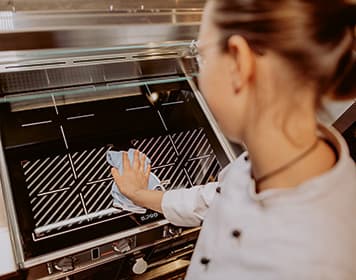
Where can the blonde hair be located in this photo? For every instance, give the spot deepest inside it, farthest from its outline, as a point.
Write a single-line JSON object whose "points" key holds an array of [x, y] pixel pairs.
{"points": [[317, 37]]}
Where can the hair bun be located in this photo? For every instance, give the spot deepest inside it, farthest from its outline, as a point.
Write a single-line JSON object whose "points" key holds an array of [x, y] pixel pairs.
{"points": [[348, 14]]}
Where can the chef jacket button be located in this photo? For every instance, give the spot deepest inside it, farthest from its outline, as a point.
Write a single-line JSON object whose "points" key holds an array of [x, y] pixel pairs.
{"points": [[204, 261], [218, 189], [246, 158], [236, 233]]}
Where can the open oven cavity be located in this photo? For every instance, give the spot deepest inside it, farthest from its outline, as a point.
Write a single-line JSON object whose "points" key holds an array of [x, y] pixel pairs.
{"points": [[56, 160]]}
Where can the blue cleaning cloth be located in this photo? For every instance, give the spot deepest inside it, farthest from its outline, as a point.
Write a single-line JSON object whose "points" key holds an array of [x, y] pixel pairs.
{"points": [[114, 158]]}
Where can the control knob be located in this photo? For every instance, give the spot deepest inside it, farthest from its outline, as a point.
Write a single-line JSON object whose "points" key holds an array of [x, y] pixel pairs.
{"points": [[64, 265], [122, 246], [140, 266]]}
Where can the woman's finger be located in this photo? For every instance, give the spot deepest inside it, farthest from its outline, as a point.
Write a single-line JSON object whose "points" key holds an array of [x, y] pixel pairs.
{"points": [[115, 174], [125, 162], [148, 170], [142, 162], [136, 162]]}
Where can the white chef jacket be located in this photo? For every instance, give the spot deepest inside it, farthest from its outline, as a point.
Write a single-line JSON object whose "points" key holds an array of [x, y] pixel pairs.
{"points": [[305, 232]]}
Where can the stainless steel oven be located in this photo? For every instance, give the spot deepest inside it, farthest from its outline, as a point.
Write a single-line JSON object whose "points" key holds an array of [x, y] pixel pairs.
{"points": [[90, 82]]}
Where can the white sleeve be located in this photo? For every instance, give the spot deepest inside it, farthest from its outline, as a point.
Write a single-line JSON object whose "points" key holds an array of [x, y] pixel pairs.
{"points": [[187, 207]]}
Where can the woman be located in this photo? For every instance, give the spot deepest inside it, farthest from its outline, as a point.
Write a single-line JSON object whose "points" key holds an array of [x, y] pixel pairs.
{"points": [[285, 208]]}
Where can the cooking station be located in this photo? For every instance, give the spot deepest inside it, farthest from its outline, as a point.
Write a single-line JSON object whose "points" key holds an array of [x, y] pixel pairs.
{"points": [[75, 84]]}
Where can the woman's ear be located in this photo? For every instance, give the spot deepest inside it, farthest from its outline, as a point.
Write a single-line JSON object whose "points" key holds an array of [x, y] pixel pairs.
{"points": [[243, 61]]}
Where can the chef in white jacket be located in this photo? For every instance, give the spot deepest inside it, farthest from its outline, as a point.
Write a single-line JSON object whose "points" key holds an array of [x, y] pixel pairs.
{"points": [[285, 209]]}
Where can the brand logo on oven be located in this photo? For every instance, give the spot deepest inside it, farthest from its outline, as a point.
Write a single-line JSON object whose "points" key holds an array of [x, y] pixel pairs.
{"points": [[148, 216]]}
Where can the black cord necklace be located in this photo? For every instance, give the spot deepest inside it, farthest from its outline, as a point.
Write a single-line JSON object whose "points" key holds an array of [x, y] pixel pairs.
{"points": [[289, 164]]}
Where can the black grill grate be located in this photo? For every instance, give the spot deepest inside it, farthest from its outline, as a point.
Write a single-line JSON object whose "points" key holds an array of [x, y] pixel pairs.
{"points": [[66, 190]]}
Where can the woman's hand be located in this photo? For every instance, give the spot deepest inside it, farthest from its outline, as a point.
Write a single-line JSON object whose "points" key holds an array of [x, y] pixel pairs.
{"points": [[134, 177]]}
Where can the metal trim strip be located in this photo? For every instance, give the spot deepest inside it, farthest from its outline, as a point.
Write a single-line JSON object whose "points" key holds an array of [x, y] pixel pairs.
{"points": [[204, 106], [14, 230], [91, 244]]}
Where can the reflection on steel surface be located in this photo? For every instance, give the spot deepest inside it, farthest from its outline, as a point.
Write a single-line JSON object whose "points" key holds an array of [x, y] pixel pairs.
{"points": [[94, 5]]}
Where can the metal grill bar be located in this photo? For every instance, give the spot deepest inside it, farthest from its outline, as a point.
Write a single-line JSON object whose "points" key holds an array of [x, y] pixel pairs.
{"points": [[52, 174]]}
